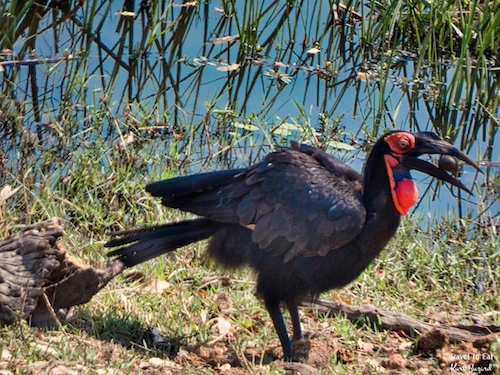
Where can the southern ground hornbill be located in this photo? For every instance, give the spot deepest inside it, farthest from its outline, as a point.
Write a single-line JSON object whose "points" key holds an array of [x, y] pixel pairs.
{"points": [[303, 220]]}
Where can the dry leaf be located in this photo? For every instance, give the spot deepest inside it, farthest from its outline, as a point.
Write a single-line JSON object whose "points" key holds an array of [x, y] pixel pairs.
{"points": [[228, 68], [411, 284], [143, 365], [365, 346], [66, 179], [177, 135], [342, 298], [224, 367], [394, 362], [280, 64], [366, 77], [457, 30], [204, 315], [60, 370], [379, 273], [125, 13], [158, 362], [125, 302], [157, 286], [129, 138], [375, 363], [6, 355], [362, 76], [345, 356], [220, 10], [223, 326], [225, 39], [186, 5], [405, 345], [8, 192], [46, 349]]}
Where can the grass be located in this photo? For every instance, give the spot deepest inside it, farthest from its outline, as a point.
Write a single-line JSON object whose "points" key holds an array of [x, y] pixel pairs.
{"points": [[448, 266]]}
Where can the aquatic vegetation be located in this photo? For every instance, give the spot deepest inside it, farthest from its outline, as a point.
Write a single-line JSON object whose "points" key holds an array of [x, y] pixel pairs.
{"points": [[208, 84]]}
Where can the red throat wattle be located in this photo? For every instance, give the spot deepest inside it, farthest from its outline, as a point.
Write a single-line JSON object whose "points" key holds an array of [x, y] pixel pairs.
{"points": [[403, 189], [405, 195]]}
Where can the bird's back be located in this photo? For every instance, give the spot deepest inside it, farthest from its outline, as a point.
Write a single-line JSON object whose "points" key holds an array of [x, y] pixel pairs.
{"points": [[301, 198]]}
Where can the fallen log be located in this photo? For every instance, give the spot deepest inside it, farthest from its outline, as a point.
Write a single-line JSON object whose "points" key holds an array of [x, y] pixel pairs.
{"points": [[398, 322], [38, 277]]}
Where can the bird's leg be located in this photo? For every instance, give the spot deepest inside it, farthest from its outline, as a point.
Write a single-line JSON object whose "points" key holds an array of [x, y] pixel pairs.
{"points": [[294, 314], [273, 307]]}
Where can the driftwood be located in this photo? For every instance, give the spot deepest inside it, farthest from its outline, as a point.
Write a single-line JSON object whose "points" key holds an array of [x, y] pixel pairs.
{"points": [[402, 323], [38, 277]]}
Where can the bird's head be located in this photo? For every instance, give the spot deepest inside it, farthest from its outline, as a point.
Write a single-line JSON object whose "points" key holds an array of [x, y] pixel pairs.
{"points": [[400, 151]]}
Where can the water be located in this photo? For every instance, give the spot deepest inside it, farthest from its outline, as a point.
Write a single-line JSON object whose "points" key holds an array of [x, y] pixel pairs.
{"points": [[279, 73]]}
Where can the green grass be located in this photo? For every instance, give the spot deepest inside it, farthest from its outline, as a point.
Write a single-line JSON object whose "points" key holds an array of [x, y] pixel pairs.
{"points": [[87, 155], [448, 267]]}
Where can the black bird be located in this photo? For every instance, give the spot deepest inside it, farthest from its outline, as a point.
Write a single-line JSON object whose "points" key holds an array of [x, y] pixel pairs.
{"points": [[303, 220]]}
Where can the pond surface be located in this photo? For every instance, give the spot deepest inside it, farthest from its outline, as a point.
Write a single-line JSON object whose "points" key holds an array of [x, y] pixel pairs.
{"points": [[218, 84]]}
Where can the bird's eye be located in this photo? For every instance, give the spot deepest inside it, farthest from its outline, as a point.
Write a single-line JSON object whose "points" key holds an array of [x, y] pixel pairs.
{"points": [[403, 144]]}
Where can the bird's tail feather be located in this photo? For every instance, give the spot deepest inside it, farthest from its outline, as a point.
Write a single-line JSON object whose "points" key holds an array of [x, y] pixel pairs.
{"points": [[147, 243]]}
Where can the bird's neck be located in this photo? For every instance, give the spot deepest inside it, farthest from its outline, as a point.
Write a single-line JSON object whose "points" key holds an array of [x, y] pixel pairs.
{"points": [[382, 218], [388, 188]]}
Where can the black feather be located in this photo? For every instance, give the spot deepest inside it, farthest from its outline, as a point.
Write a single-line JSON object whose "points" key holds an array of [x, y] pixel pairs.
{"points": [[150, 242]]}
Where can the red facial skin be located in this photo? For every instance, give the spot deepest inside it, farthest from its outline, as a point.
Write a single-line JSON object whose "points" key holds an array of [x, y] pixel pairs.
{"points": [[403, 188]]}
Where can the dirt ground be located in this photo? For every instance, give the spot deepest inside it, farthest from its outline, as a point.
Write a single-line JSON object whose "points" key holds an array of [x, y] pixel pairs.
{"points": [[398, 355], [321, 352]]}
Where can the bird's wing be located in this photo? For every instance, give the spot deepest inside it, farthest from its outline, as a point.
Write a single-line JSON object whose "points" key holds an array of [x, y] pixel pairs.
{"points": [[300, 195]]}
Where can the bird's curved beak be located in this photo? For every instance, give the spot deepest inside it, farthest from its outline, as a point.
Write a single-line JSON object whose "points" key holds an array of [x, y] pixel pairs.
{"points": [[430, 143]]}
